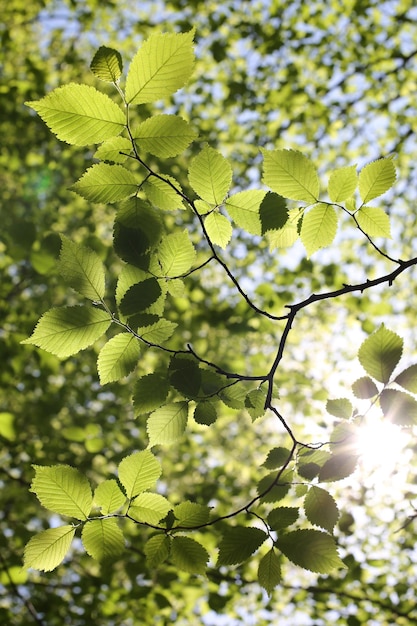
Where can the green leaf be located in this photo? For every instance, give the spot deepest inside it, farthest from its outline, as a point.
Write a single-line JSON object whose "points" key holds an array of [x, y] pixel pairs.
{"points": [[139, 471], [311, 549], [162, 65], [342, 183], [380, 353], [157, 550], [191, 514], [205, 413], [321, 509], [185, 375], [344, 438], [376, 178], [158, 332], [107, 64], [149, 508], [374, 222], [162, 195], [111, 150], [63, 489], [103, 539], [150, 393], [364, 388], [255, 403], [319, 227], [340, 407], [210, 175], [399, 407], [283, 237], [109, 497], [164, 135], [79, 114], [189, 555], [291, 174], [137, 229], [47, 550], [310, 461], [67, 330], [233, 396], [244, 209], [277, 457], [282, 516], [167, 424], [106, 183], [408, 379], [140, 296], [218, 228], [269, 571], [176, 254], [279, 489], [340, 465], [273, 212], [238, 544], [82, 269], [118, 357]]}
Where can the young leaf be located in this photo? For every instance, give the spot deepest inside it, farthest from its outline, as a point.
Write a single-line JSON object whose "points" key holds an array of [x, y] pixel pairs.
{"points": [[342, 183], [408, 379], [82, 269], [291, 174], [189, 555], [283, 237], [191, 514], [150, 393], [106, 183], [63, 489], [79, 114], [269, 571], [112, 149], [107, 64], [167, 424], [321, 509], [255, 403], [244, 209], [238, 544], [311, 549], [277, 457], [162, 195], [340, 465], [205, 413], [282, 516], [162, 65], [157, 550], [109, 497], [149, 508], [176, 254], [380, 353], [319, 227], [374, 222], [376, 178], [158, 332], [399, 407], [218, 228], [140, 296], [103, 539], [139, 471], [340, 407], [364, 388], [210, 175], [118, 357], [47, 550], [164, 135], [67, 330]]}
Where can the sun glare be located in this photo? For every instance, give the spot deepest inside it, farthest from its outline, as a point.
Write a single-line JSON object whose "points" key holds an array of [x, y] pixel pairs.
{"points": [[380, 444]]}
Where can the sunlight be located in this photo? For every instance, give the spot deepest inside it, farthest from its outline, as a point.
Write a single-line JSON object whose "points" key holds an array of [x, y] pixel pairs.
{"points": [[380, 444]]}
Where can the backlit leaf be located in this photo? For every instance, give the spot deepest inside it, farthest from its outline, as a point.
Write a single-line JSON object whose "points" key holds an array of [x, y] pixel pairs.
{"points": [[47, 550], [167, 424], [191, 514], [311, 549], [218, 228], [140, 296], [139, 471], [67, 330], [380, 353], [291, 174], [106, 183], [376, 178], [320, 508], [374, 222], [319, 227], [162, 195], [244, 209], [282, 516], [103, 539], [79, 114], [364, 388], [150, 393], [82, 269], [272, 490], [342, 183], [340, 407], [158, 332], [340, 465], [399, 407], [118, 357], [107, 64], [109, 497], [210, 175], [63, 489], [176, 254], [408, 379], [205, 413], [164, 135], [112, 149], [269, 571], [277, 457], [189, 555], [162, 65], [238, 544], [149, 508], [157, 550]]}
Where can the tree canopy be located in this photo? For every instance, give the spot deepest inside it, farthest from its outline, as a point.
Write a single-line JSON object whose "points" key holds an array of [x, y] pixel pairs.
{"points": [[208, 397]]}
